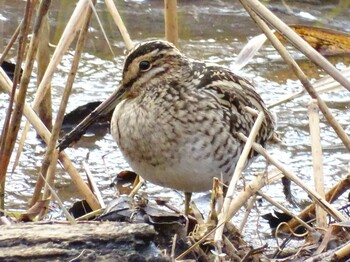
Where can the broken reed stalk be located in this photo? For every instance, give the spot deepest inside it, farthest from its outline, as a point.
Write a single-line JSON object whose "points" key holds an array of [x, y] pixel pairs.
{"points": [[224, 213], [50, 159], [45, 107], [43, 59], [249, 208], [59, 202], [73, 25], [316, 149], [342, 253], [66, 39], [300, 74], [93, 186], [216, 202], [240, 200], [45, 135], [253, 187], [333, 212], [333, 194], [119, 22], [10, 43], [68, 35], [329, 233], [285, 210], [43, 9], [170, 20], [13, 119], [296, 40], [64, 101], [327, 83]]}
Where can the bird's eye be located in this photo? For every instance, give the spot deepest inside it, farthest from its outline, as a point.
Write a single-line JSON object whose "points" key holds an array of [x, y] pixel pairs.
{"points": [[144, 66]]}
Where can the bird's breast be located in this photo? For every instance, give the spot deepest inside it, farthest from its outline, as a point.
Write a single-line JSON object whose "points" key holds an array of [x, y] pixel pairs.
{"points": [[175, 145]]}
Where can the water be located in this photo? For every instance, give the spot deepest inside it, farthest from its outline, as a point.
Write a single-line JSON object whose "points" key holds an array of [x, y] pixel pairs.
{"points": [[210, 30]]}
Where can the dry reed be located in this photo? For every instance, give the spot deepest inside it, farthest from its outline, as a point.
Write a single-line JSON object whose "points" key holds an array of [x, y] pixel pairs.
{"points": [[80, 21], [120, 24], [316, 149], [13, 119], [299, 73], [170, 20]]}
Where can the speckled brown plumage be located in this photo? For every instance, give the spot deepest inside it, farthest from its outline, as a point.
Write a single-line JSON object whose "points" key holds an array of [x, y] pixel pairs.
{"points": [[176, 119]]}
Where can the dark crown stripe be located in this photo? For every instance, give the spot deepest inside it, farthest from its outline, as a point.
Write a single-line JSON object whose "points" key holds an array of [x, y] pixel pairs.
{"points": [[145, 48]]}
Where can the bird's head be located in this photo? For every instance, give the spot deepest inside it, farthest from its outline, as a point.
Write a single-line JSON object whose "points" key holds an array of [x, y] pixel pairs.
{"points": [[147, 64], [142, 67]]}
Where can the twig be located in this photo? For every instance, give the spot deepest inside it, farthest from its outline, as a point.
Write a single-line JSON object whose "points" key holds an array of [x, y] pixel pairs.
{"points": [[59, 202], [93, 185], [173, 246], [342, 253]]}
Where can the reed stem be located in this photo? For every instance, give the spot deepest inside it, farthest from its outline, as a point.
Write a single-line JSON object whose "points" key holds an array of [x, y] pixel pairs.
{"points": [[170, 19]]}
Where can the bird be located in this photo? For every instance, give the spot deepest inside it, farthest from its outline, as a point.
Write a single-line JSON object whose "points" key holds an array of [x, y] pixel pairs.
{"points": [[176, 119]]}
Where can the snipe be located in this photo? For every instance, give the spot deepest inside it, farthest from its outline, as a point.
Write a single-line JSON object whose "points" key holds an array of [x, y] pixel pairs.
{"points": [[175, 119]]}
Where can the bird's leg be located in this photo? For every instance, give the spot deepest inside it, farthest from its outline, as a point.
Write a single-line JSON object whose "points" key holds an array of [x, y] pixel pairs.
{"points": [[187, 202]]}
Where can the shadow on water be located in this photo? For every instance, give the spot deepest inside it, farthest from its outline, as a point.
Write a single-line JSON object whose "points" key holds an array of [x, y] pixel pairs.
{"points": [[210, 30]]}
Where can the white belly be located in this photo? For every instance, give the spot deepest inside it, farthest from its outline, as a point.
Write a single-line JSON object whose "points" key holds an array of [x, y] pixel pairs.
{"points": [[171, 154]]}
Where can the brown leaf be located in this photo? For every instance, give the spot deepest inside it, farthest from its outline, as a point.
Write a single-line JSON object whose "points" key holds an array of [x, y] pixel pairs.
{"points": [[326, 41]]}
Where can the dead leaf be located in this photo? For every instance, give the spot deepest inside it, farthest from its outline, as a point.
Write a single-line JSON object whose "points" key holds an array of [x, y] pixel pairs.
{"points": [[326, 41]]}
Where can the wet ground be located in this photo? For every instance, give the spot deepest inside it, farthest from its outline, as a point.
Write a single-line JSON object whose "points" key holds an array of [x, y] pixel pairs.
{"points": [[210, 30]]}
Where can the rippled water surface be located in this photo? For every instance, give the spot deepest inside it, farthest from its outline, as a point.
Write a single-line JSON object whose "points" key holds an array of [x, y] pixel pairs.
{"points": [[210, 30]]}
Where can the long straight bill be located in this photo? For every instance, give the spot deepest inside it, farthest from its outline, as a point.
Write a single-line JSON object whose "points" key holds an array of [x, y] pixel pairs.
{"points": [[101, 110]]}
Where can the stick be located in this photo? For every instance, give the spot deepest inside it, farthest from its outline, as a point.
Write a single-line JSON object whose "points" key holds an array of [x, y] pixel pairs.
{"points": [[314, 195], [224, 214], [119, 22], [342, 253], [246, 214], [13, 119], [43, 59], [45, 135], [300, 74], [285, 210], [50, 159], [170, 19], [297, 41], [314, 121], [10, 43]]}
